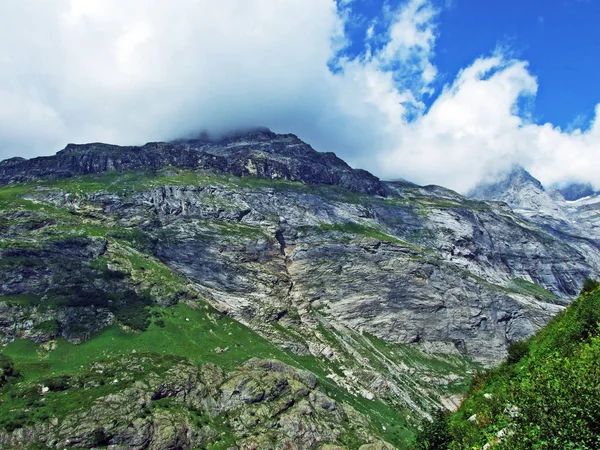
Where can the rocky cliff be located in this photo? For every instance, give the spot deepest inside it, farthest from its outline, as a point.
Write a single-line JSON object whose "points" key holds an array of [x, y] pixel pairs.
{"points": [[390, 293], [259, 152]]}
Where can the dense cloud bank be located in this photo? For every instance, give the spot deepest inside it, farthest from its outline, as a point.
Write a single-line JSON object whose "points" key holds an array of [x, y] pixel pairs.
{"points": [[143, 70]]}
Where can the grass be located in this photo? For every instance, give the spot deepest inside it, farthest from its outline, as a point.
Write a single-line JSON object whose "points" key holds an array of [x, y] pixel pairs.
{"points": [[357, 229], [549, 381], [436, 203], [126, 183], [70, 392], [395, 421], [391, 414], [363, 230], [21, 300], [187, 332], [526, 287]]}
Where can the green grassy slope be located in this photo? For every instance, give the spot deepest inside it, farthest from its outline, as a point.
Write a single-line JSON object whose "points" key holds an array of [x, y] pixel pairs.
{"points": [[546, 395]]}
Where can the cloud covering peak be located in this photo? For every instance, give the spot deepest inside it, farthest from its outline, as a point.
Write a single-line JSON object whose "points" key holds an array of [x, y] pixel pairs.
{"points": [[144, 70]]}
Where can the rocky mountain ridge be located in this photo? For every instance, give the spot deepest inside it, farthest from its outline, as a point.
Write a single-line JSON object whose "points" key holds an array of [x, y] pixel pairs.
{"points": [[390, 292], [575, 191], [259, 153]]}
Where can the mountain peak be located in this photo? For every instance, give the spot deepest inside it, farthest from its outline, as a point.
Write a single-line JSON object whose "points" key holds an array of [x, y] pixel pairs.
{"points": [[256, 152], [258, 133], [523, 193], [516, 179], [518, 174]]}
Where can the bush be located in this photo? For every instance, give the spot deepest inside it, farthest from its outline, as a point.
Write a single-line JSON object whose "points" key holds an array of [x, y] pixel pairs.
{"points": [[50, 327], [131, 309], [552, 396], [7, 370], [14, 422], [80, 296], [128, 307], [58, 384], [516, 350], [99, 438], [559, 401], [434, 434], [589, 286]]}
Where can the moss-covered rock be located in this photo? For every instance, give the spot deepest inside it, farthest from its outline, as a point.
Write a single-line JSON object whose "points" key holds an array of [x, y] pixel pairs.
{"points": [[144, 401]]}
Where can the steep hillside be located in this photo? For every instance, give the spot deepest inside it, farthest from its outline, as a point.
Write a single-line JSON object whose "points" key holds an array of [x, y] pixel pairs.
{"points": [[259, 261], [545, 396]]}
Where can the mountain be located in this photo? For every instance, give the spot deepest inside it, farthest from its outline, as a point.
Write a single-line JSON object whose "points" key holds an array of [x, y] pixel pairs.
{"points": [[543, 396], [549, 209], [523, 193], [259, 152], [575, 191], [249, 291]]}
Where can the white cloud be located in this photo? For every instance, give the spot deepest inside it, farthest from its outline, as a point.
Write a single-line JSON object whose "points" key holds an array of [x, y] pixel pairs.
{"points": [[411, 42], [142, 70], [475, 130]]}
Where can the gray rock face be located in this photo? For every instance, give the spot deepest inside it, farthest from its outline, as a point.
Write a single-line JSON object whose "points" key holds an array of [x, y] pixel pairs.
{"points": [[422, 265], [576, 191], [260, 153], [523, 193], [168, 403], [355, 262]]}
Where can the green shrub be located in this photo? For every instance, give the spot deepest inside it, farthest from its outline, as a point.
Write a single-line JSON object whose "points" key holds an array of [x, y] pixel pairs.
{"points": [[78, 296], [589, 286], [99, 438], [517, 350], [131, 309], [7, 370], [434, 434], [128, 307], [58, 384], [14, 421], [51, 327], [550, 400]]}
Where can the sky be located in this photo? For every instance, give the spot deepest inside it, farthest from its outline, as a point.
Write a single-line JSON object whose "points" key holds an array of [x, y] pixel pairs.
{"points": [[448, 92]]}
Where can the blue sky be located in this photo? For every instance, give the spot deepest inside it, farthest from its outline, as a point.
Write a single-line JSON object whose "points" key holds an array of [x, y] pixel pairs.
{"points": [[559, 38], [448, 92]]}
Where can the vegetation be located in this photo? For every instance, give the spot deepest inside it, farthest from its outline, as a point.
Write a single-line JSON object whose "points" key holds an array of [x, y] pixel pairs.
{"points": [[589, 286], [435, 433], [7, 370], [130, 282], [546, 395], [526, 287]]}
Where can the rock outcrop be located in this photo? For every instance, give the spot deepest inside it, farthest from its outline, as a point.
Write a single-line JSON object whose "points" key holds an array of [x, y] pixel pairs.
{"points": [[568, 211], [151, 402], [421, 265]]}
